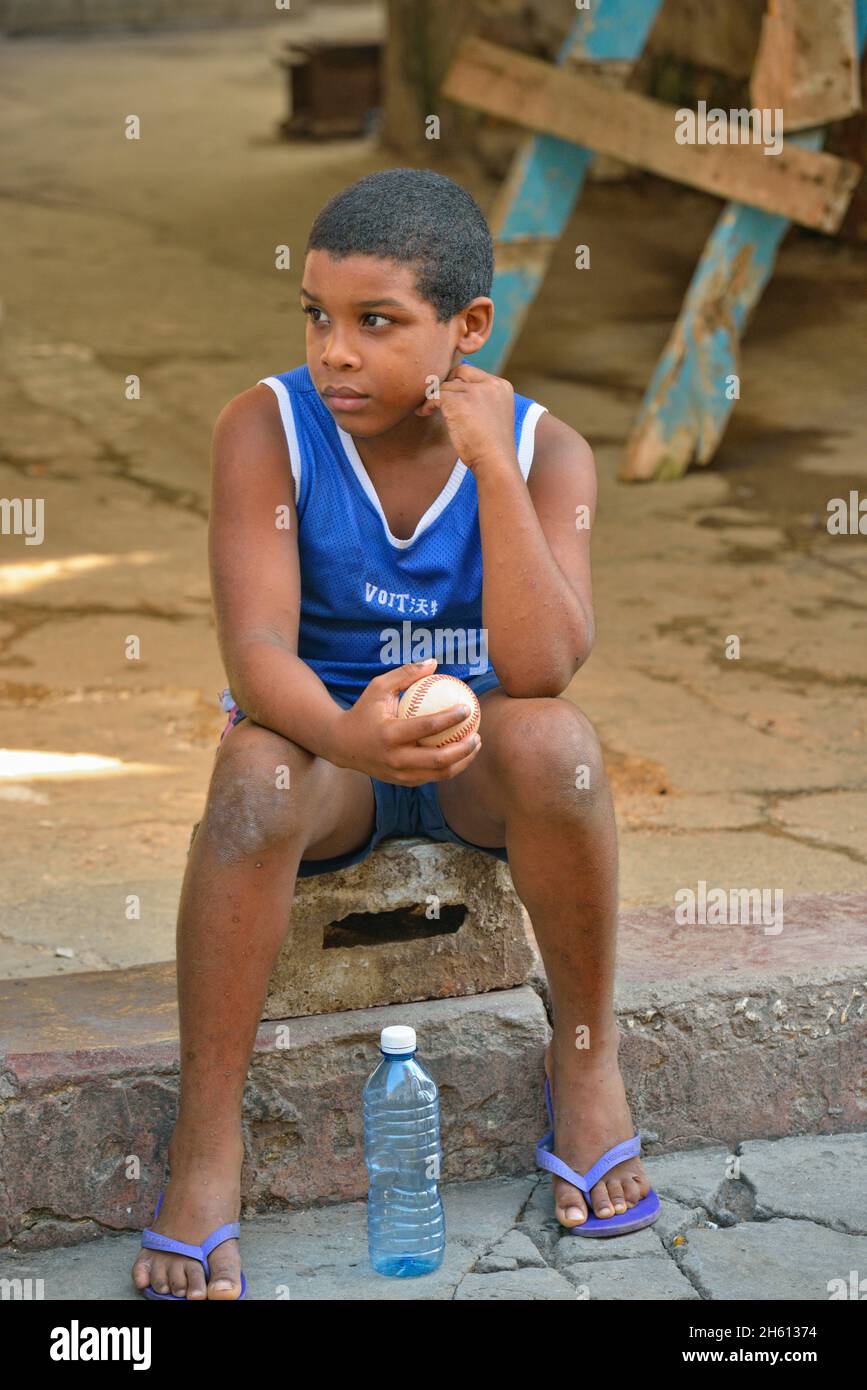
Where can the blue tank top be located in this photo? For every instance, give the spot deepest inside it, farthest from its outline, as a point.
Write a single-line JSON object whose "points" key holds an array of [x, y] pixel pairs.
{"points": [[371, 600]]}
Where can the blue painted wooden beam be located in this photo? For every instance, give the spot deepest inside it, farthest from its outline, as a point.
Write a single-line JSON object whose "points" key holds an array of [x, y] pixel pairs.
{"points": [[547, 176], [688, 402]]}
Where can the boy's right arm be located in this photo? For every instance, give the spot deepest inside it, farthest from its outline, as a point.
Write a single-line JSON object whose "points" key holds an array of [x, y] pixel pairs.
{"points": [[256, 589], [255, 575]]}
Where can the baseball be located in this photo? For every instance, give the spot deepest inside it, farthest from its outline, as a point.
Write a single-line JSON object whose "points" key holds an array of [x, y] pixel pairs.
{"points": [[438, 692]]}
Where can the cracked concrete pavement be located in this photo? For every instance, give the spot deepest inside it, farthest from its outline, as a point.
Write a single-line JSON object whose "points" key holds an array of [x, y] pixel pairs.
{"points": [[156, 258], [775, 1221]]}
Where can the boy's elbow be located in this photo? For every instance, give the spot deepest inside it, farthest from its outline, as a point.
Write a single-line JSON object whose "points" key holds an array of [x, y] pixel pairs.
{"points": [[547, 684], [565, 678], [536, 689], [584, 647], [552, 680]]}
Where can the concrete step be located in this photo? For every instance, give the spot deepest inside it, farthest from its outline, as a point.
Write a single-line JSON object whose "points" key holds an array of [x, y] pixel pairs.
{"points": [[729, 1033], [789, 1226]]}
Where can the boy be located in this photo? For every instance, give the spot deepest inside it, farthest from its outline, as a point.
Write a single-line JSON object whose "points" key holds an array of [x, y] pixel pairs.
{"points": [[350, 498]]}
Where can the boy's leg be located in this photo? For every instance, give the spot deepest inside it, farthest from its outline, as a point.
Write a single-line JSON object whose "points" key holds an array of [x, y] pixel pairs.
{"points": [[234, 909], [538, 786]]}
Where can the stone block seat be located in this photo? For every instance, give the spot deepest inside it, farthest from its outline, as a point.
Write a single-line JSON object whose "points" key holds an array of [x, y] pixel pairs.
{"points": [[415, 920]]}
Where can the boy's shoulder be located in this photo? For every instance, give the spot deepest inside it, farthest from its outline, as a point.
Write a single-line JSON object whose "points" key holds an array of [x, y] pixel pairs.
{"points": [[258, 408], [564, 469], [555, 438]]}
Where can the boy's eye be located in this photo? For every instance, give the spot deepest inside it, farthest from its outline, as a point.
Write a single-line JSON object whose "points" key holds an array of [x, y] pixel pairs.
{"points": [[312, 309]]}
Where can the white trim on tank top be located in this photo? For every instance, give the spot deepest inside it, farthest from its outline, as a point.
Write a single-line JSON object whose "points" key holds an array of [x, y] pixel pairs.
{"points": [[439, 504], [284, 400], [526, 443]]}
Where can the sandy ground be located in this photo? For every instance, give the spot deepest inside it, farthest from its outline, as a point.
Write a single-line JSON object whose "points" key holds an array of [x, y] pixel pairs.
{"points": [[156, 257]]}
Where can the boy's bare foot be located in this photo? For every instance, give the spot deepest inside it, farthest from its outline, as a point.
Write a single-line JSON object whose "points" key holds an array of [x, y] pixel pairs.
{"points": [[592, 1115], [204, 1192]]}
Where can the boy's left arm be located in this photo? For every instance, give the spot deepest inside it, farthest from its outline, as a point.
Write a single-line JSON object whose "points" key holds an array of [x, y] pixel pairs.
{"points": [[537, 602], [537, 607]]}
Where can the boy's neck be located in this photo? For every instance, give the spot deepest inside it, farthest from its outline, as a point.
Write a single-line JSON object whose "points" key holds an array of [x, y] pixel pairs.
{"points": [[413, 437]]}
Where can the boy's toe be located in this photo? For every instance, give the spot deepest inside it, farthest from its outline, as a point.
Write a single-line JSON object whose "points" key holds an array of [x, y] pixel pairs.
{"points": [[571, 1207], [159, 1275], [225, 1265], [178, 1278], [631, 1192], [615, 1192], [600, 1201], [196, 1284]]}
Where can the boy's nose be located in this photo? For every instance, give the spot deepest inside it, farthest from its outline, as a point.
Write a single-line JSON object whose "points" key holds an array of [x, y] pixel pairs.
{"points": [[337, 353]]}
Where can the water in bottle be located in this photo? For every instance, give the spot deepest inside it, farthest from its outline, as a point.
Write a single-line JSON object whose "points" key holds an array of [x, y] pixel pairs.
{"points": [[406, 1232]]}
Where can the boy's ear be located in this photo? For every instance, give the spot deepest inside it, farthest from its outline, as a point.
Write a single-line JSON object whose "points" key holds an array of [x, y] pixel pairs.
{"points": [[477, 321]]}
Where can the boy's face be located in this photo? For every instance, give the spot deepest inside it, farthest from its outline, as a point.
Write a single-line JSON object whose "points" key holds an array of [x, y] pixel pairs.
{"points": [[370, 332]]}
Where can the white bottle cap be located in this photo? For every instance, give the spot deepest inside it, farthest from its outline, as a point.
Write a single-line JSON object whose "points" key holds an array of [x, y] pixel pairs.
{"points": [[397, 1038]]}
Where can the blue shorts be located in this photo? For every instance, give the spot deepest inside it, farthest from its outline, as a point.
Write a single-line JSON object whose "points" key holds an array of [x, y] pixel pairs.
{"points": [[400, 811]]}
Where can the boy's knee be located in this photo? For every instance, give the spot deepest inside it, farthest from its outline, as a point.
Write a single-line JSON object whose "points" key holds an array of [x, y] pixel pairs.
{"points": [[254, 799], [549, 742]]}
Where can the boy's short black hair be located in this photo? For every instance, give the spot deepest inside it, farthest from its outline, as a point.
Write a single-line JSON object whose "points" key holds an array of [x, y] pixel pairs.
{"points": [[416, 216]]}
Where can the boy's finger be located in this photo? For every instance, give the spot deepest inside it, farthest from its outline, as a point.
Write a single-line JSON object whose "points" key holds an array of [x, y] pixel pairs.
{"points": [[401, 677], [461, 763], [422, 725], [433, 760]]}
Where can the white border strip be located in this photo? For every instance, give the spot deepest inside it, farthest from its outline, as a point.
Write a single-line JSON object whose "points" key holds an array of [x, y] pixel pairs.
{"points": [[528, 436], [284, 400], [438, 505]]}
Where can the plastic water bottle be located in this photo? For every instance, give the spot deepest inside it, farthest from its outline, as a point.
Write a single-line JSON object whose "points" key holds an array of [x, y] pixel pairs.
{"points": [[406, 1228]]}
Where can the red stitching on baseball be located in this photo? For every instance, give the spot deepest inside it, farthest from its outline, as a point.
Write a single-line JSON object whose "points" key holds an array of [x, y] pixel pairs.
{"points": [[421, 689]]}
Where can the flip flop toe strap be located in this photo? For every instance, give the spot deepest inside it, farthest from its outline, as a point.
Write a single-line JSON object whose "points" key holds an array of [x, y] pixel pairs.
{"points": [[628, 1148], [231, 1231], [154, 1240]]}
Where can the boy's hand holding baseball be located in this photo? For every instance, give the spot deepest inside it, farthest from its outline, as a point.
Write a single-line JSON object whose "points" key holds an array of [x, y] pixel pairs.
{"points": [[479, 410], [371, 738]]}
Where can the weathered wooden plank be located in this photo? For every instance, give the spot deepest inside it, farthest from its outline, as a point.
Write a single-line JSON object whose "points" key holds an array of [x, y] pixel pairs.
{"points": [[688, 402], [807, 62], [547, 175], [686, 408], [807, 186]]}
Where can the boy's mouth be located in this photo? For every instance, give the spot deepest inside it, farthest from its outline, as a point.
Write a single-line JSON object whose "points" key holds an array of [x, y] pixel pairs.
{"points": [[344, 398]]}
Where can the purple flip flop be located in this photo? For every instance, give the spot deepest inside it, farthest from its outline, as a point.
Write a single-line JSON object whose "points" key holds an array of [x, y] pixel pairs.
{"points": [[153, 1240], [644, 1213]]}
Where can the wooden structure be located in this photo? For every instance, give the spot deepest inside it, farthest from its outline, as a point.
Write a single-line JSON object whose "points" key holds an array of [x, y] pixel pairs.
{"points": [[574, 112], [807, 62], [333, 87]]}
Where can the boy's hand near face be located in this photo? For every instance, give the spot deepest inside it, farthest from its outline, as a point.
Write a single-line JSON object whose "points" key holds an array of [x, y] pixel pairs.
{"points": [[371, 738], [479, 410]]}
